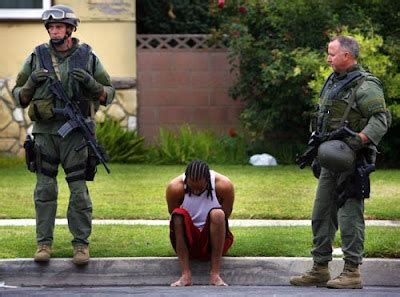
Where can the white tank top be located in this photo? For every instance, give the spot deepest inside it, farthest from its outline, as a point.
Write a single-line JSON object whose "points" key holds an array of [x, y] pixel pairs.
{"points": [[199, 206]]}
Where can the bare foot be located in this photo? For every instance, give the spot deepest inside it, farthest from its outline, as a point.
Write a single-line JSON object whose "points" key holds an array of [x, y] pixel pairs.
{"points": [[183, 281], [216, 280]]}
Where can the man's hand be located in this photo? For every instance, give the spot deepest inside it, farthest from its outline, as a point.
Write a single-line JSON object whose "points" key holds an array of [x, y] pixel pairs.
{"points": [[95, 88], [357, 141], [28, 89], [39, 76]]}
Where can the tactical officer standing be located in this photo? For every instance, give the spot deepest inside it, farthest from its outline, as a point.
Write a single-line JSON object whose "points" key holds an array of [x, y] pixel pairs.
{"points": [[352, 99], [84, 80]]}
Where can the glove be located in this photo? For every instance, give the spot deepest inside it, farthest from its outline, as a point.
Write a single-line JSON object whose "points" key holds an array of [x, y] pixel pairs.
{"points": [[354, 142], [89, 83], [39, 76], [35, 79]]}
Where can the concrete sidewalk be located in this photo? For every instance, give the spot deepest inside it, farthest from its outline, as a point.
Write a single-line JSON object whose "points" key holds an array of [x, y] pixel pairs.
{"points": [[259, 271], [232, 223]]}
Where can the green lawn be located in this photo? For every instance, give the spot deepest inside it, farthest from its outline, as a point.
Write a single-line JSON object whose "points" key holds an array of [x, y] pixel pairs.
{"points": [[142, 241], [137, 192]]}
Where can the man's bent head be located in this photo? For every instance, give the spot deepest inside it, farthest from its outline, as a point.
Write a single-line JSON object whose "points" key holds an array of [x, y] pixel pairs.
{"points": [[197, 178]]}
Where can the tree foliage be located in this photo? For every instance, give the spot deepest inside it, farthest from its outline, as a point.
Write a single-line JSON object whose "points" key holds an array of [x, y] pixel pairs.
{"points": [[281, 48], [172, 17]]}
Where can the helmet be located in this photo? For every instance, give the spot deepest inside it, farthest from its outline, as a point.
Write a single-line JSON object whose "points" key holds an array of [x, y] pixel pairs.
{"points": [[336, 156], [60, 14]]}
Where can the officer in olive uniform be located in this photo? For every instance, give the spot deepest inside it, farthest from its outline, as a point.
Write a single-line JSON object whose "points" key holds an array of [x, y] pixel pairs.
{"points": [[84, 79], [353, 98]]}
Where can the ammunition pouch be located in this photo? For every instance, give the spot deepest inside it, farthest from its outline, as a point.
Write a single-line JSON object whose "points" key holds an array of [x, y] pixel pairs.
{"points": [[41, 110], [91, 166], [92, 162], [30, 156]]}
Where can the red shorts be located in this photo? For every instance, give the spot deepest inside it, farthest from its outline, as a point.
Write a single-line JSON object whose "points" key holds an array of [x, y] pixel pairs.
{"points": [[198, 242]]}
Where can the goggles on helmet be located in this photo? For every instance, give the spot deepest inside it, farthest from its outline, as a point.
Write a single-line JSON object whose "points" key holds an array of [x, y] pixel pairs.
{"points": [[57, 14]]}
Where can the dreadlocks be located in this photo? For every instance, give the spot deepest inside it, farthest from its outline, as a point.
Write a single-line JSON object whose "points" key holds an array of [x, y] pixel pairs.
{"points": [[197, 170]]}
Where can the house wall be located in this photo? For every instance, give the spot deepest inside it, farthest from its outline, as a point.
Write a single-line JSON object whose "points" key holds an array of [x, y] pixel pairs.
{"points": [[184, 84]]}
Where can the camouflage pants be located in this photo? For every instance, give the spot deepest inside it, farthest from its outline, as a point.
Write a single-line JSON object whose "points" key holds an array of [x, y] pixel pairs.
{"points": [[326, 218], [52, 151]]}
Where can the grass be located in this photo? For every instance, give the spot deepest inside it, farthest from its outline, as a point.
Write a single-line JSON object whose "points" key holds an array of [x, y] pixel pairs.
{"points": [[137, 191], [142, 241]]}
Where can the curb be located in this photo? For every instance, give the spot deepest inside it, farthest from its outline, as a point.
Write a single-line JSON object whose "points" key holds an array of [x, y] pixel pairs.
{"points": [[232, 222], [246, 271]]}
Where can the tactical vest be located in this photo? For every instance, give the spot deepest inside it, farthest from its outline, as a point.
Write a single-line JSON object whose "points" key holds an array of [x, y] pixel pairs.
{"points": [[79, 59], [336, 95]]}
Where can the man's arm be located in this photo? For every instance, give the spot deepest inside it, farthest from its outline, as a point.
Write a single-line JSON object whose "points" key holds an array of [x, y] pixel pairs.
{"points": [[375, 129], [103, 78], [371, 102], [175, 194], [22, 78], [225, 193]]}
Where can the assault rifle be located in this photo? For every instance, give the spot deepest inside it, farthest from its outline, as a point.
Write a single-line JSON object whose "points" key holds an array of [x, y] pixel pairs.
{"points": [[77, 120], [316, 139]]}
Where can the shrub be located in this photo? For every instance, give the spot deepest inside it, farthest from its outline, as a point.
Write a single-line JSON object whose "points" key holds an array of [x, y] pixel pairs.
{"points": [[122, 146], [184, 146], [188, 144]]}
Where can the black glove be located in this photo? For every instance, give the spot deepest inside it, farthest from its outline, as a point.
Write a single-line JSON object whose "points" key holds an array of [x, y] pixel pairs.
{"points": [[96, 89], [39, 76], [35, 79]]}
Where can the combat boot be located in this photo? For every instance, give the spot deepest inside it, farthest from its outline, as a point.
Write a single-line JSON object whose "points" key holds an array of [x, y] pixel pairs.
{"points": [[81, 254], [317, 276], [350, 278], [42, 253]]}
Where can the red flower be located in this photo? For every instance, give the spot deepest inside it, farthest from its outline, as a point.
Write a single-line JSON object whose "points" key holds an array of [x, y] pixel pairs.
{"points": [[236, 33], [242, 9], [232, 132], [221, 3]]}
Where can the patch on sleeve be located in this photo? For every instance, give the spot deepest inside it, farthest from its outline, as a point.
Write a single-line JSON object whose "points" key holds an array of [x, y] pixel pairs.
{"points": [[376, 107]]}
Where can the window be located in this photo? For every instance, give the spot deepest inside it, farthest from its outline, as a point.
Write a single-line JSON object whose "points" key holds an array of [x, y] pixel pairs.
{"points": [[23, 9]]}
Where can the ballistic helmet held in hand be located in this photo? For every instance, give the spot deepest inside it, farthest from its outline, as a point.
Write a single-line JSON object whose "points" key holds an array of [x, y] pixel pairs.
{"points": [[60, 14], [336, 156]]}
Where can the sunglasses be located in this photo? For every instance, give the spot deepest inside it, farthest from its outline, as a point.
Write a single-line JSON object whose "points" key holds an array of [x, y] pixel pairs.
{"points": [[57, 14]]}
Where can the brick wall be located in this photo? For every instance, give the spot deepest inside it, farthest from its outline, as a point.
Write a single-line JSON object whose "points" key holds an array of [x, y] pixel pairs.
{"points": [[184, 86]]}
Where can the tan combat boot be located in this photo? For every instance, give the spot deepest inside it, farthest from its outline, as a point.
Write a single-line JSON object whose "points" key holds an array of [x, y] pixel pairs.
{"points": [[350, 278], [81, 254], [42, 253], [317, 276]]}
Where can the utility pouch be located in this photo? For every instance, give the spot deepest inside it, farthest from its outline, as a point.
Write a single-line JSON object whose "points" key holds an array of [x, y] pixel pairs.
{"points": [[30, 156], [41, 110], [91, 166], [93, 161]]}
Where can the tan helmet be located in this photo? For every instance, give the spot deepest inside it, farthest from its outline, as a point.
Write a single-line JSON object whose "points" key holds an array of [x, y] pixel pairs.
{"points": [[60, 14], [336, 156]]}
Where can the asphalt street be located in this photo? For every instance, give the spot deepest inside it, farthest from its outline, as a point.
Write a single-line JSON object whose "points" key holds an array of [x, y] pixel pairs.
{"points": [[148, 291]]}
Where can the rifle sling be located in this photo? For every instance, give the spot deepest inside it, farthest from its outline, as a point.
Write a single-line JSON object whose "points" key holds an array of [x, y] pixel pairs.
{"points": [[351, 101], [56, 67]]}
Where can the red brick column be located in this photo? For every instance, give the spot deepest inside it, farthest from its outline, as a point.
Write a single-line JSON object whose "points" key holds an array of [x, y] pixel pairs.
{"points": [[177, 87]]}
